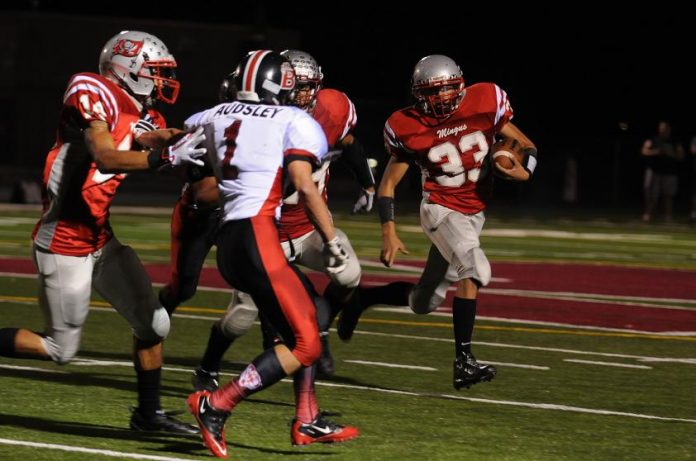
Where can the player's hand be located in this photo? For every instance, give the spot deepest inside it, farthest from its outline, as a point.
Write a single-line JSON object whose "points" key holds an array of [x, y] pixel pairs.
{"points": [[186, 150], [391, 244], [515, 173], [364, 202], [335, 257]]}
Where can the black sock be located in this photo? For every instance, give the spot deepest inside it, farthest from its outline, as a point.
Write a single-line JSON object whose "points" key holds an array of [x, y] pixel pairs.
{"points": [[7, 342], [149, 391], [269, 369], [392, 294], [165, 299], [463, 317], [325, 313], [218, 344]]}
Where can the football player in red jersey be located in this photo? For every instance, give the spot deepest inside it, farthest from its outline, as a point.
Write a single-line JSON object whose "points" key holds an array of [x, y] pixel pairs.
{"points": [[74, 247], [302, 244], [448, 133]]}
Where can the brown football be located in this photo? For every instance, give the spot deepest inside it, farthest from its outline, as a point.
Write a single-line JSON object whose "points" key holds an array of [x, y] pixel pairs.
{"points": [[504, 150]]}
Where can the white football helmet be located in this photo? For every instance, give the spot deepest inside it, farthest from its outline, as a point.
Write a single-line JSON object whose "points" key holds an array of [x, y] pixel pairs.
{"points": [[140, 63], [308, 79], [438, 85]]}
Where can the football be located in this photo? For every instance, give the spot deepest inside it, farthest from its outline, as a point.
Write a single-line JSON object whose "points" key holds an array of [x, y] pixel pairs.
{"points": [[504, 150]]}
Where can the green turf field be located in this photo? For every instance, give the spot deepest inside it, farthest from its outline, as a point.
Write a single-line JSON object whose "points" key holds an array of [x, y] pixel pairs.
{"points": [[550, 401]]}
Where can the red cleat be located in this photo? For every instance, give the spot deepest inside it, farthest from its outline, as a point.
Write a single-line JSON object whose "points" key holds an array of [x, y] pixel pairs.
{"points": [[321, 430], [210, 421]]}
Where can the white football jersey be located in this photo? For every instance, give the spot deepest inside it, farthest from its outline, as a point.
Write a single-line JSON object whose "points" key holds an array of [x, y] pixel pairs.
{"points": [[247, 144]]}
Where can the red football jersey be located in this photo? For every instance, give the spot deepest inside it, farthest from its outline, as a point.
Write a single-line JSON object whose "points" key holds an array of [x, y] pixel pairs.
{"points": [[452, 152], [77, 196], [336, 115]]}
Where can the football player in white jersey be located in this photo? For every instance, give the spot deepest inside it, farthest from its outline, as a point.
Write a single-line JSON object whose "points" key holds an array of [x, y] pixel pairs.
{"points": [[448, 133], [75, 249], [251, 142], [336, 115]]}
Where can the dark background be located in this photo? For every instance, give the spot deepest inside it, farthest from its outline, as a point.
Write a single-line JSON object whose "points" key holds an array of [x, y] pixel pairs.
{"points": [[587, 85]]}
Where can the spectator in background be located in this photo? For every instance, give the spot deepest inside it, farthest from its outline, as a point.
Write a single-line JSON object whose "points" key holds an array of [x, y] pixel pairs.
{"points": [[662, 157]]}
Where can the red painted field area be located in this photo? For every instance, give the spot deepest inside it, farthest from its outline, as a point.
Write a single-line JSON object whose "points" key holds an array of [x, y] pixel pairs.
{"points": [[569, 279]]}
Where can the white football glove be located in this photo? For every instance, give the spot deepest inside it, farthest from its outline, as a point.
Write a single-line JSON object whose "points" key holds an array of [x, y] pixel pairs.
{"points": [[335, 257], [186, 150], [364, 202]]}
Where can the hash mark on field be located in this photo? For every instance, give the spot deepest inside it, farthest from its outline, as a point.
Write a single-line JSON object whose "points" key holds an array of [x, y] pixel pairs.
{"points": [[113, 454], [608, 364]]}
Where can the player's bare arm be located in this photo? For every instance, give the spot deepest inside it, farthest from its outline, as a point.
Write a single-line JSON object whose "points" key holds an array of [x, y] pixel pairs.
{"points": [[157, 139], [205, 192], [100, 145], [300, 173], [391, 243], [518, 172]]}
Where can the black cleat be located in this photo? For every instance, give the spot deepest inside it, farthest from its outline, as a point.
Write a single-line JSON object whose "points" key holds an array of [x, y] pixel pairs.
{"points": [[346, 323], [161, 422], [325, 364], [467, 371], [205, 380], [210, 421]]}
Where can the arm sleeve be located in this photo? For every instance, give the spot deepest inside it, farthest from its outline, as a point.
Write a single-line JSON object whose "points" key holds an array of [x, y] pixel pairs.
{"points": [[354, 155]]}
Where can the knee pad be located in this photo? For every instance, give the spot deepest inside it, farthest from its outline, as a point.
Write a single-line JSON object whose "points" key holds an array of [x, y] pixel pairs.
{"points": [[472, 265], [240, 316], [61, 354], [158, 329], [423, 300]]}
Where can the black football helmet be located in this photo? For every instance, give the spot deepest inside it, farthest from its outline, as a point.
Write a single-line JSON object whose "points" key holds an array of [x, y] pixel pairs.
{"points": [[262, 76]]}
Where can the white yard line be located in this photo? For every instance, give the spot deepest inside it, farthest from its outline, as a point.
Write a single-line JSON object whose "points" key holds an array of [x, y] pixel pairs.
{"points": [[541, 406], [608, 364], [391, 365], [518, 365], [92, 451], [41, 370]]}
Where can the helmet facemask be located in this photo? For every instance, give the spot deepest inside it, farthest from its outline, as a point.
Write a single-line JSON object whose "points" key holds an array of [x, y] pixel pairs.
{"points": [[309, 79], [440, 99], [166, 87], [304, 95]]}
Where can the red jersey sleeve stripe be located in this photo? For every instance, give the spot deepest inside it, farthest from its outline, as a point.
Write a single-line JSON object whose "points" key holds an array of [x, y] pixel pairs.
{"points": [[352, 120], [82, 83]]}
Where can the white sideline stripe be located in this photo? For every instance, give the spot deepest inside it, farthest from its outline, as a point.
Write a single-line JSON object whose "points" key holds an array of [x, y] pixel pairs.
{"points": [[391, 365], [691, 361], [553, 406], [518, 365], [608, 364], [593, 298], [42, 370], [543, 406], [407, 268], [407, 310], [93, 451]]}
